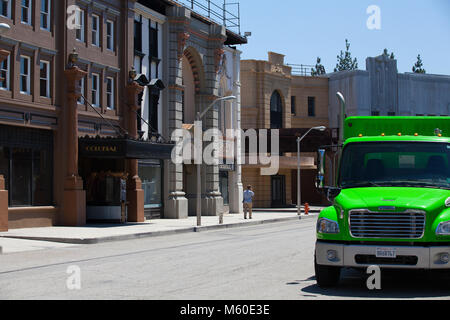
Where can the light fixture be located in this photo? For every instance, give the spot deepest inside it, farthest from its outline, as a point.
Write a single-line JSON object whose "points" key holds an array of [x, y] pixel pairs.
{"points": [[4, 27]]}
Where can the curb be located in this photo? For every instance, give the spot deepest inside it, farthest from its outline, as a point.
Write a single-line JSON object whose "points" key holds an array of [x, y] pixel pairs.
{"points": [[156, 233]]}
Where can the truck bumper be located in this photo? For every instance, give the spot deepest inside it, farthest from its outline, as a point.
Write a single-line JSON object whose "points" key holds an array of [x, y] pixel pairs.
{"points": [[341, 255]]}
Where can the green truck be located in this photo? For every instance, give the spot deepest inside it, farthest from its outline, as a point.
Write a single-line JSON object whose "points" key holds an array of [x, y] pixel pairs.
{"points": [[390, 199]]}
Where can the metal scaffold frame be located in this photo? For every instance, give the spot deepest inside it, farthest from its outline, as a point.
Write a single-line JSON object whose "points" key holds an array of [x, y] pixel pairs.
{"points": [[219, 13]]}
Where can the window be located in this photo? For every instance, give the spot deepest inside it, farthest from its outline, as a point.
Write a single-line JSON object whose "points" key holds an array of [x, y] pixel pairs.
{"points": [[45, 14], [80, 25], [293, 107], [26, 164], [223, 186], [151, 174], [26, 11], [110, 93], [25, 74], [137, 36], [95, 90], [82, 86], [311, 106], [45, 79], [95, 30], [153, 41], [5, 8], [110, 35], [276, 111], [4, 74]]}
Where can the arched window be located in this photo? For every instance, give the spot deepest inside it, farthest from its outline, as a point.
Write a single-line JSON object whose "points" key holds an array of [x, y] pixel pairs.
{"points": [[276, 111]]}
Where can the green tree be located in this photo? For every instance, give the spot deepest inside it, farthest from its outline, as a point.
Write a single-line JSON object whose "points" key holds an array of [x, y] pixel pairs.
{"points": [[418, 67], [319, 69], [345, 61]]}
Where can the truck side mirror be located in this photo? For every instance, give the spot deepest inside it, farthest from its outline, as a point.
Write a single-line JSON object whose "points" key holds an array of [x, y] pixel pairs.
{"points": [[332, 193]]}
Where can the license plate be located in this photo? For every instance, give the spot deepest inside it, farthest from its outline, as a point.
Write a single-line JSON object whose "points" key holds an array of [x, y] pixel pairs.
{"points": [[386, 253]]}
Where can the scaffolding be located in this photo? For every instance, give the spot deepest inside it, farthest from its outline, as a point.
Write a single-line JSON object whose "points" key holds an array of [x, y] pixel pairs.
{"points": [[227, 13]]}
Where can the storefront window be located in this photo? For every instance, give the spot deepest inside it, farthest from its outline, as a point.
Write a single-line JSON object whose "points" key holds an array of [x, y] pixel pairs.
{"points": [[42, 178], [26, 163], [21, 177], [224, 186], [4, 165], [150, 175]]}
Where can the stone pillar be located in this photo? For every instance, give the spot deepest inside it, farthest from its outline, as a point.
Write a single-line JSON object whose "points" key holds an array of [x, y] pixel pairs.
{"points": [[74, 199], [135, 193], [176, 203], [3, 192], [212, 204]]}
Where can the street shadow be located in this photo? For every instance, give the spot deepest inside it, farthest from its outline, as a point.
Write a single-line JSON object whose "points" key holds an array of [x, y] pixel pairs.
{"points": [[395, 284]]}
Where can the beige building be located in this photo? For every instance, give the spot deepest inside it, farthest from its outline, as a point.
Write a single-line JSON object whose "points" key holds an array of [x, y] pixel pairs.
{"points": [[274, 98]]}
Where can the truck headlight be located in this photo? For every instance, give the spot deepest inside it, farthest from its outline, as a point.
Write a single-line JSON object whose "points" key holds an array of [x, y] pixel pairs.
{"points": [[443, 229], [327, 226]]}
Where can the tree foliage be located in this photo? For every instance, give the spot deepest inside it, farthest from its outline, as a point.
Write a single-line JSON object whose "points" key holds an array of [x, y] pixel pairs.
{"points": [[418, 67], [345, 61]]}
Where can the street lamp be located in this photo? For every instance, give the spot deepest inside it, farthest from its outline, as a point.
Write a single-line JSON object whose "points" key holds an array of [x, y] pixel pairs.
{"points": [[342, 103], [199, 117], [299, 139]]}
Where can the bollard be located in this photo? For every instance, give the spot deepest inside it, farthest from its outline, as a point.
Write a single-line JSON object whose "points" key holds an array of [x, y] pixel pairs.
{"points": [[1, 250], [306, 209], [221, 218]]}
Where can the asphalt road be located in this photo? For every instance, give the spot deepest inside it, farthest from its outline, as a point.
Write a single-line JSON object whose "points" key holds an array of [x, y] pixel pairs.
{"points": [[273, 261]]}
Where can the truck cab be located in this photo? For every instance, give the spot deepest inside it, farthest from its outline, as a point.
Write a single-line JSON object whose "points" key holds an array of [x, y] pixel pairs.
{"points": [[390, 198]]}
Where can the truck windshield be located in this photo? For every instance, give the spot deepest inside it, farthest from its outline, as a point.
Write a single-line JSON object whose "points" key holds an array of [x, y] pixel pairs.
{"points": [[405, 164]]}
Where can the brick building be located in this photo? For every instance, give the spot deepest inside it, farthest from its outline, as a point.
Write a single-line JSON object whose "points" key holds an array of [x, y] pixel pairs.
{"points": [[274, 98]]}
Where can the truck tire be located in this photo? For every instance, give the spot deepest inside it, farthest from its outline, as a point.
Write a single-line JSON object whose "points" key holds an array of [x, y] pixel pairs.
{"points": [[326, 276]]}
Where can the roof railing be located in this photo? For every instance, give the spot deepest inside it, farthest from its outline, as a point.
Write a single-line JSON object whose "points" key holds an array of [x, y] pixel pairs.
{"points": [[222, 13]]}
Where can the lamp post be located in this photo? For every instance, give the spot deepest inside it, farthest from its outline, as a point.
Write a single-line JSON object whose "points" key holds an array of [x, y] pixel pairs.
{"points": [[299, 139], [199, 117]]}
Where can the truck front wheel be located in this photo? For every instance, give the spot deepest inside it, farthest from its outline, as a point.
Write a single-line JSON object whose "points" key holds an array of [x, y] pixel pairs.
{"points": [[326, 276]]}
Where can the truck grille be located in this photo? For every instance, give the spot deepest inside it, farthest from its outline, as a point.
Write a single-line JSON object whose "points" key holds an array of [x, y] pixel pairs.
{"points": [[400, 225]]}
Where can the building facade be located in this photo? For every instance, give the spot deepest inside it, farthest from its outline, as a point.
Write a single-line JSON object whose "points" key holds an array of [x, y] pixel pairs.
{"points": [[90, 94], [194, 62], [68, 130], [381, 91], [274, 98]]}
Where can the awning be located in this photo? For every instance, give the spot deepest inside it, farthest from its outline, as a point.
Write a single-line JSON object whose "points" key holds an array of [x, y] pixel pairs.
{"points": [[122, 148]]}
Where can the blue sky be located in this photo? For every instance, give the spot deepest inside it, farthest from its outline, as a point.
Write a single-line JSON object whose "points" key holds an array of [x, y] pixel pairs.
{"points": [[304, 30]]}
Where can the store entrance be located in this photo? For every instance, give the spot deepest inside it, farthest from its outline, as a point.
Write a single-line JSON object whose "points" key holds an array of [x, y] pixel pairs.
{"points": [[105, 185]]}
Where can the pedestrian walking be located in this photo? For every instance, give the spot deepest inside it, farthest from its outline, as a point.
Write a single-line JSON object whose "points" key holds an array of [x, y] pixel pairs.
{"points": [[248, 201]]}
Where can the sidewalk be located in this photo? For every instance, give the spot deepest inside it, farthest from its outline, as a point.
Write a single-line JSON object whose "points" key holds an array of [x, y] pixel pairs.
{"points": [[97, 233]]}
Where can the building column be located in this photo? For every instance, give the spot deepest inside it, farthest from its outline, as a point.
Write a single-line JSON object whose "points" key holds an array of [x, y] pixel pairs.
{"points": [[212, 204], [135, 193], [3, 192], [74, 199], [175, 203]]}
